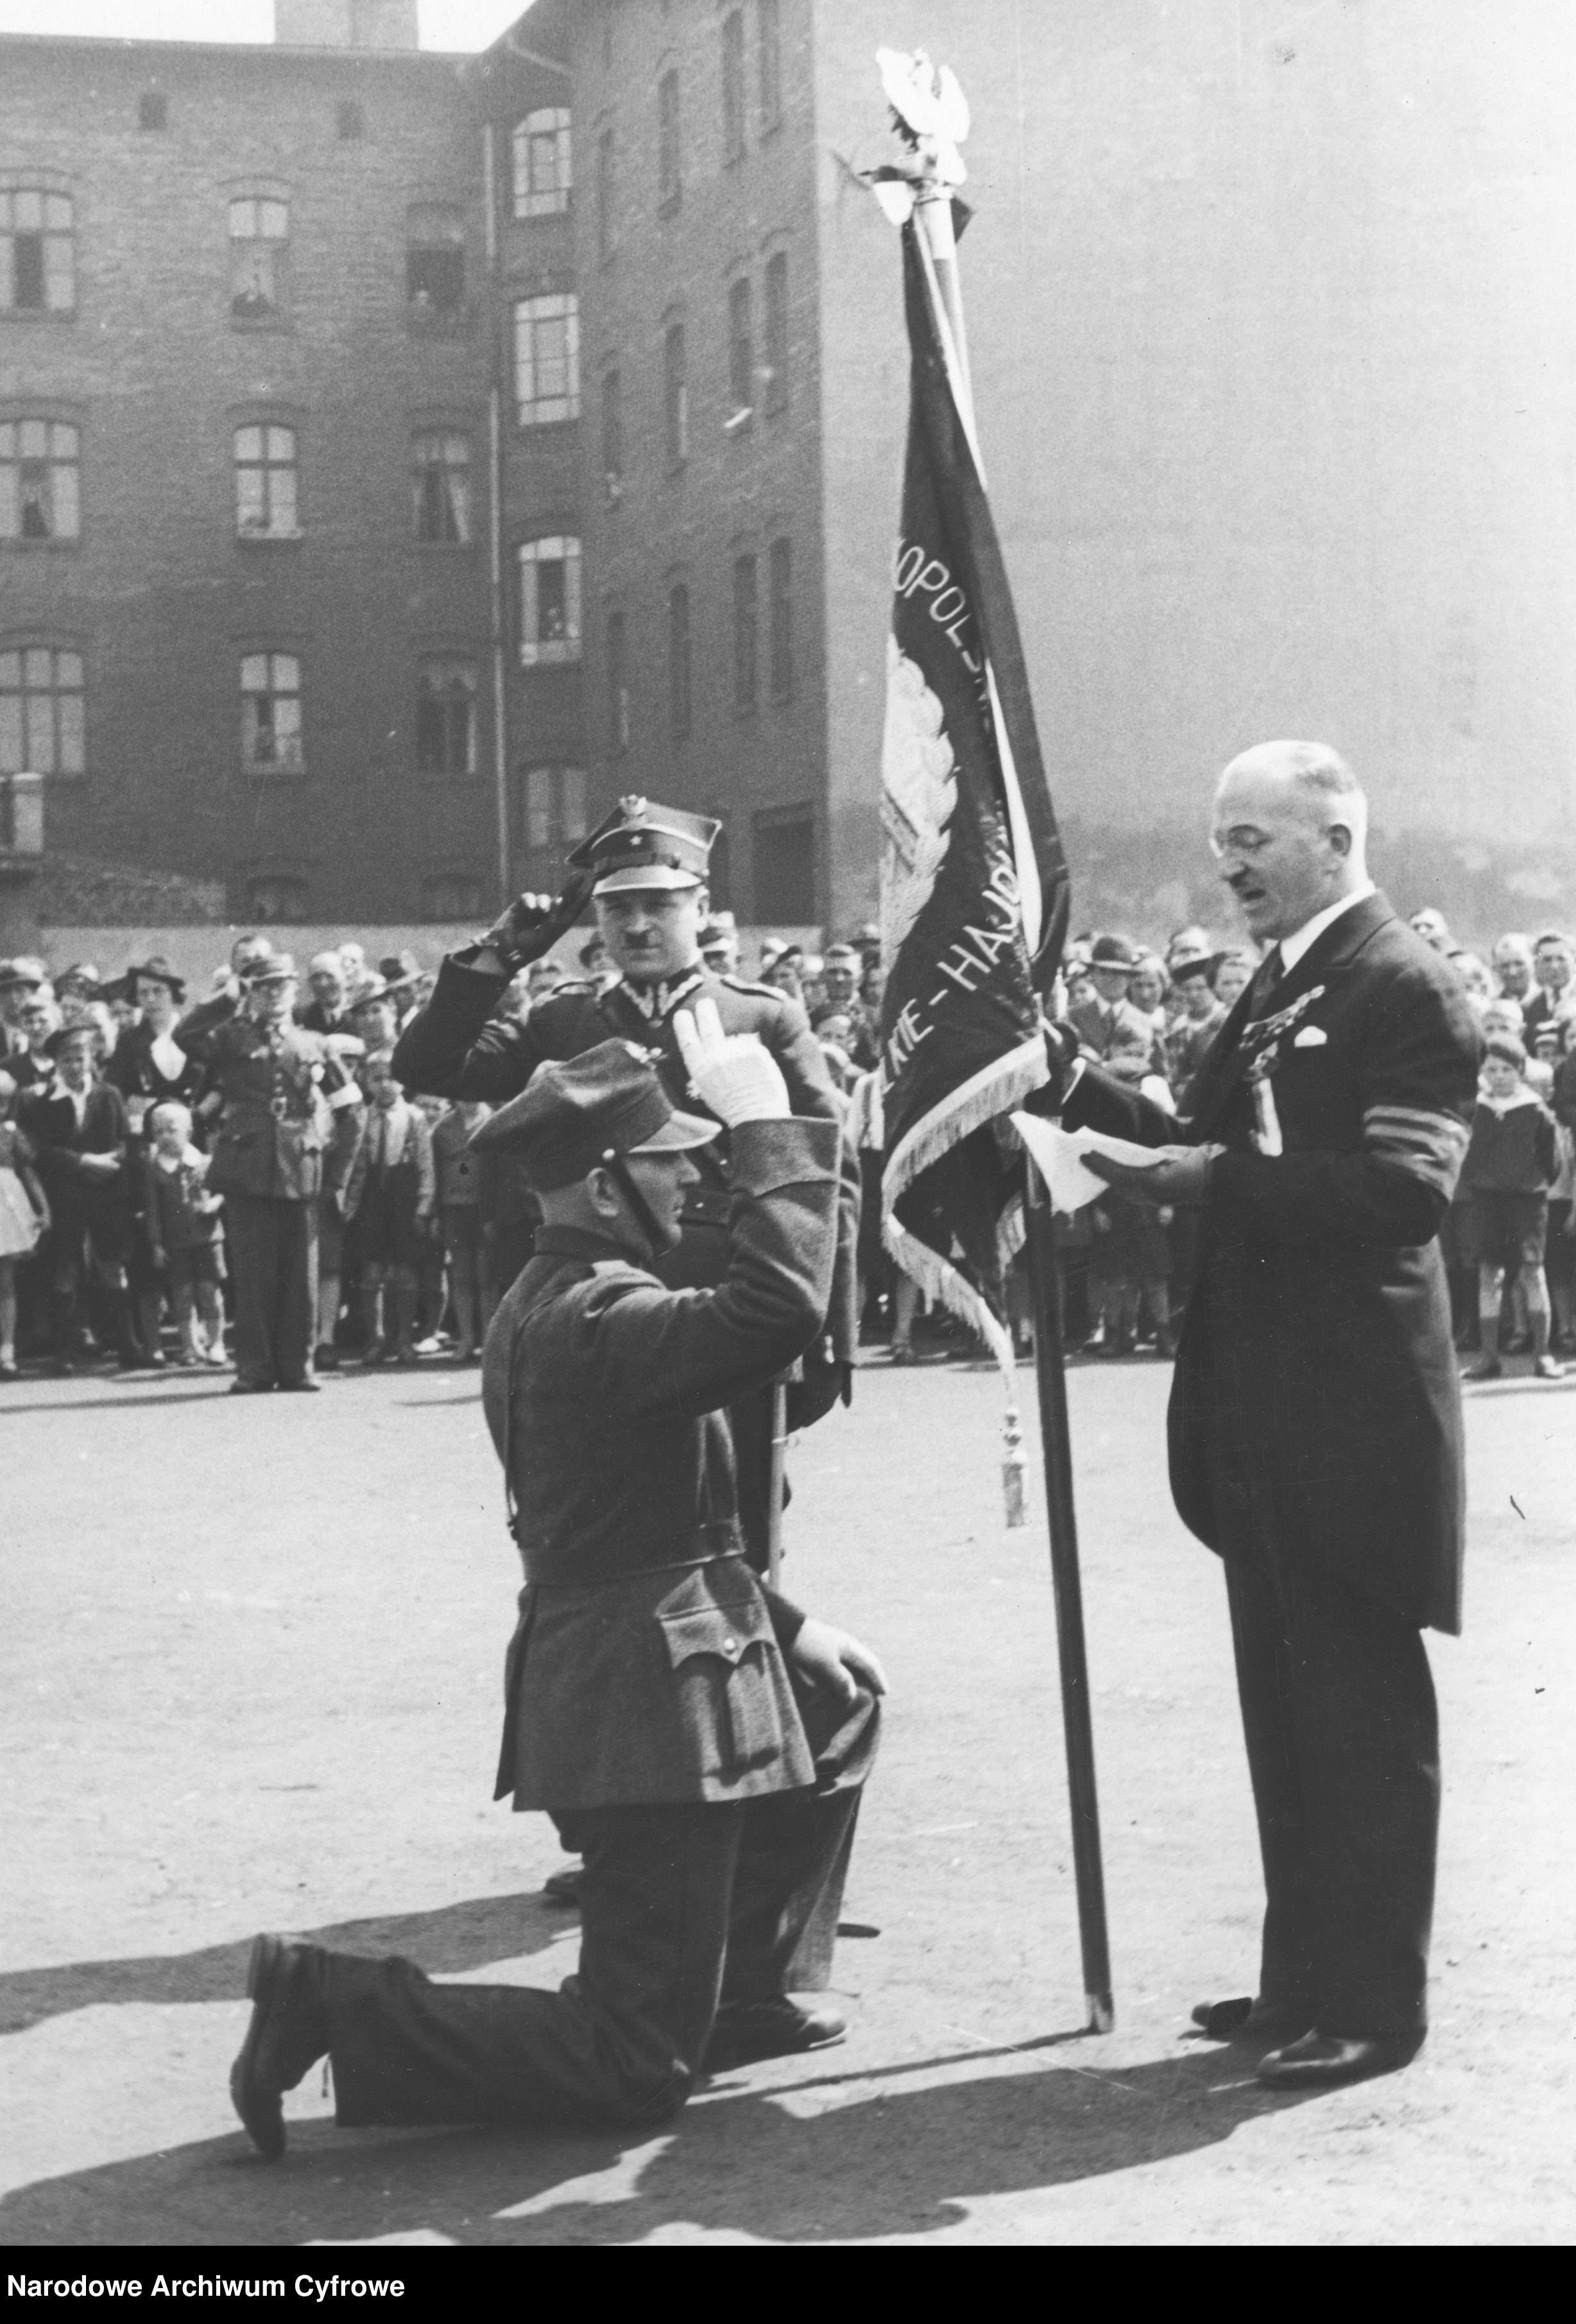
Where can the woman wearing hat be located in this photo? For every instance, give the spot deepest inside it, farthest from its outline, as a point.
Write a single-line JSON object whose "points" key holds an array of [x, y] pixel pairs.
{"points": [[149, 1067]]}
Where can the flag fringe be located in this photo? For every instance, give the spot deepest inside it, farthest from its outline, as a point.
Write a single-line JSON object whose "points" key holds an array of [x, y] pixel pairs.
{"points": [[939, 1279], [997, 1088]]}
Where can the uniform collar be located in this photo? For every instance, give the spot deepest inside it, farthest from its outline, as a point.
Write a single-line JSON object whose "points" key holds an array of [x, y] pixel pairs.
{"points": [[654, 999], [1292, 947], [580, 1242]]}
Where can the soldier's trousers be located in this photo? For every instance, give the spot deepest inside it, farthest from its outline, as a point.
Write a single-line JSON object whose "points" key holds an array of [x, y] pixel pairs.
{"points": [[1342, 1736], [681, 1908], [273, 1263]]}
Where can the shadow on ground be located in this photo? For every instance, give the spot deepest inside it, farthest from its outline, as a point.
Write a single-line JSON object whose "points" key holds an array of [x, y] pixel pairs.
{"points": [[445, 1942], [890, 2160]]}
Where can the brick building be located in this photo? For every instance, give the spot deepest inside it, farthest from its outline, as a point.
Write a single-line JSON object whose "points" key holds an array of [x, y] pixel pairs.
{"points": [[409, 454]]}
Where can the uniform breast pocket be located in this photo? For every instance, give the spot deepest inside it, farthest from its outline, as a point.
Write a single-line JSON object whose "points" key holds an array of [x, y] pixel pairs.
{"points": [[730, 1685]]}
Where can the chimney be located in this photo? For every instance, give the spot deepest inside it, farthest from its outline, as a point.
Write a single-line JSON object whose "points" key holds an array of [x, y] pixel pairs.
{"points": [[345, 24]]}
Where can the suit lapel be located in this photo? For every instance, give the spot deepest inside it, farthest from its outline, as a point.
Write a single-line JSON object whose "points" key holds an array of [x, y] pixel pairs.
{"points": [[1337, 944]]}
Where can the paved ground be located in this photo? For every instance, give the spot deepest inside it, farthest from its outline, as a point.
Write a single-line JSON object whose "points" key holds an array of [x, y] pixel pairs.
{"points": [[251, 1661]]}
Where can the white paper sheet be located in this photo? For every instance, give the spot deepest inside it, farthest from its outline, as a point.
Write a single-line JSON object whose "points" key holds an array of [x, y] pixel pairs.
{"points": [[1059, 1154]]}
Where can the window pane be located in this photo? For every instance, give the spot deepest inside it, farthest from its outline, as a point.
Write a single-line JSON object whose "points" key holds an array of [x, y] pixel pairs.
{"points": [[60, 273], [67, 510], [573, 822], [248, 443], [10, 733], [744, 634], [243, 221], [30, 210], [768, 34], [10, 500], [37, 666], [530, 631], [733, 86], [740, 347], [249, 509], [572, 598], [776, 330], [538, 808], [282, 508], [69, 670], [33, 439], [606, 193], [287, 674], [58, 212], [73, 756], [785, 870], [272, 221], [10, 670], [63, 442], [39, 734], [281, 443], [668, 134], [782, 621], [255, 673]]}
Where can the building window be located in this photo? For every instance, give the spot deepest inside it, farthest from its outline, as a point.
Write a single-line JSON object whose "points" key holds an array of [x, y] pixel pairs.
{"points": [[549, 600], [741, 353], [259, 240], [271, 711], [784, 867], [542, 178], [768, 33], [780, 585], [41, 713], [776, 381], [153, 111], [547, 359], [451, 896], [40, 495], [733, 86], [606, 195], [555, 809], [446, 717], [266, 506], [277, 899], [618, 684], [612, 438], [441, 483], [349, 120], [746, 653], [435, 261], [675, 397], [680, 704], [38, 270], [669, 178]]}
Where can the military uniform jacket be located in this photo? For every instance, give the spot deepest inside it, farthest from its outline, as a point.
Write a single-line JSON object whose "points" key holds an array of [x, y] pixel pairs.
{"points": [[648, 1664], [281, 1090], [452, 1049], [1317, 1361]]}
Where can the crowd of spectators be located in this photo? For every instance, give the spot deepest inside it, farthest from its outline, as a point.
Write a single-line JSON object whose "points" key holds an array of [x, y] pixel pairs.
{"points": [[113, 1248]]}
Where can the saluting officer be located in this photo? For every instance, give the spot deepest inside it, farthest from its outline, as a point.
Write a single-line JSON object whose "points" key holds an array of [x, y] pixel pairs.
{"points": [[289, 1109], [694, 1736], [644, 869]]}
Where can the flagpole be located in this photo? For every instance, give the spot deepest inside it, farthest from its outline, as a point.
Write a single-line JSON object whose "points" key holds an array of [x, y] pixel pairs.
{"points": [[934, 222]]}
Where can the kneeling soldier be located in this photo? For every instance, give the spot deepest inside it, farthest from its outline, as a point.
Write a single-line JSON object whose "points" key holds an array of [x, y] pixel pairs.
{"points": [[699, 1741]]}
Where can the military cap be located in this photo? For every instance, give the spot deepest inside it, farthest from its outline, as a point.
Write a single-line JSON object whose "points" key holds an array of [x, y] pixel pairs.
{"points": [[642, 845], [278, 968], [574, 1111]]}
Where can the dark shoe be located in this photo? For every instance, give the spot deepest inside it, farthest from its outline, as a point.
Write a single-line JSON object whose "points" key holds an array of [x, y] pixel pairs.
{"points": [[1486, 1367], [1275, 2020], [1546, 1368], [1323, 2062], [1519, 1343], [376, 1352], [326, 1358], [288, 2033], [251, 1388], [301, 1387], [745, 2031]]}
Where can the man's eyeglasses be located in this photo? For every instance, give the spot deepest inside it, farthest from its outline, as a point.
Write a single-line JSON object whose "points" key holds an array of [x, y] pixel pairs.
{"points": [[1242, 839]]}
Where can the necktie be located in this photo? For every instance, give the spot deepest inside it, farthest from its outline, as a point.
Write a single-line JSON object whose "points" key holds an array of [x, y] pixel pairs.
{"points": [[1266, 976]]}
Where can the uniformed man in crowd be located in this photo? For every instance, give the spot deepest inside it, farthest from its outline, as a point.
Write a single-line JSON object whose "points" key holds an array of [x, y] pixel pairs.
{"points": [[644, 870], [288, 1109], [1315, 1428], [699, 1741]]}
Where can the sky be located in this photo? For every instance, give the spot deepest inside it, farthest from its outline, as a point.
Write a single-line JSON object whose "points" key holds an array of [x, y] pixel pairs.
{"points": [[452, 24]]}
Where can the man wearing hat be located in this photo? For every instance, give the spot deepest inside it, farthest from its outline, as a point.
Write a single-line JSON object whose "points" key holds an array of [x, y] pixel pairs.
{"points": [[283, 1092], [839, 980], [644, 869], [700, 1741], [19, 981], [78, 1125], [719, 943], [1107, 1024]]}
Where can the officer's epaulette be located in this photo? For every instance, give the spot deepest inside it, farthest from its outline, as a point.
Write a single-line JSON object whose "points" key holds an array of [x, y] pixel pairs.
{"points": [[743, 984]]}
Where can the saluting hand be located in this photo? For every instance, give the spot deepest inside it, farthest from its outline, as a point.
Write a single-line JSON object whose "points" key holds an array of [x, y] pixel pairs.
{"points": [[733, 1074], [833, 1658], [531, 925]]}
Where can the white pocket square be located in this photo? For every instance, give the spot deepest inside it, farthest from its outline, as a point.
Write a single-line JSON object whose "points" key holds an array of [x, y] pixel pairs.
{"points": [[1312, 1036]]}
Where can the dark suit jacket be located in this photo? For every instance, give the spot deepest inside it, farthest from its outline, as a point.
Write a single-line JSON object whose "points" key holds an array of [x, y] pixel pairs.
{"points": [[76, 1198], [1316, 1364], [647, 1663], [456, 1049]]}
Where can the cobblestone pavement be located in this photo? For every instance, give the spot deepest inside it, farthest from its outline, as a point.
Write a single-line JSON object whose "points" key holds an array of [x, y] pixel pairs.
{"points": [[250, 1667]]}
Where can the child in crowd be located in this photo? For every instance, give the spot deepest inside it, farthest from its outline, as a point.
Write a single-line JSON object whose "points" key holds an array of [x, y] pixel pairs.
{"points": [[1130, 1254], [388, 1202], [182, 1223], [432, 1291], [24, 1215], [471, 1289], [1511, 1162]]}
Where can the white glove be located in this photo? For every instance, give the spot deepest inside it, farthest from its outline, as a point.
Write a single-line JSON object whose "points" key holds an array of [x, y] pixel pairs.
{"points": [[731, 1074]]}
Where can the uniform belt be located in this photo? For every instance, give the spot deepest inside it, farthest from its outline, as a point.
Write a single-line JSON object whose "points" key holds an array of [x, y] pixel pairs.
{"points": [[634, 1572]]}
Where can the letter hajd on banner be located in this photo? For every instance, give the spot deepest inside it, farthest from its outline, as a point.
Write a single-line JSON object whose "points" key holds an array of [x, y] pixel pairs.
{"points": [[973, 880]]}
